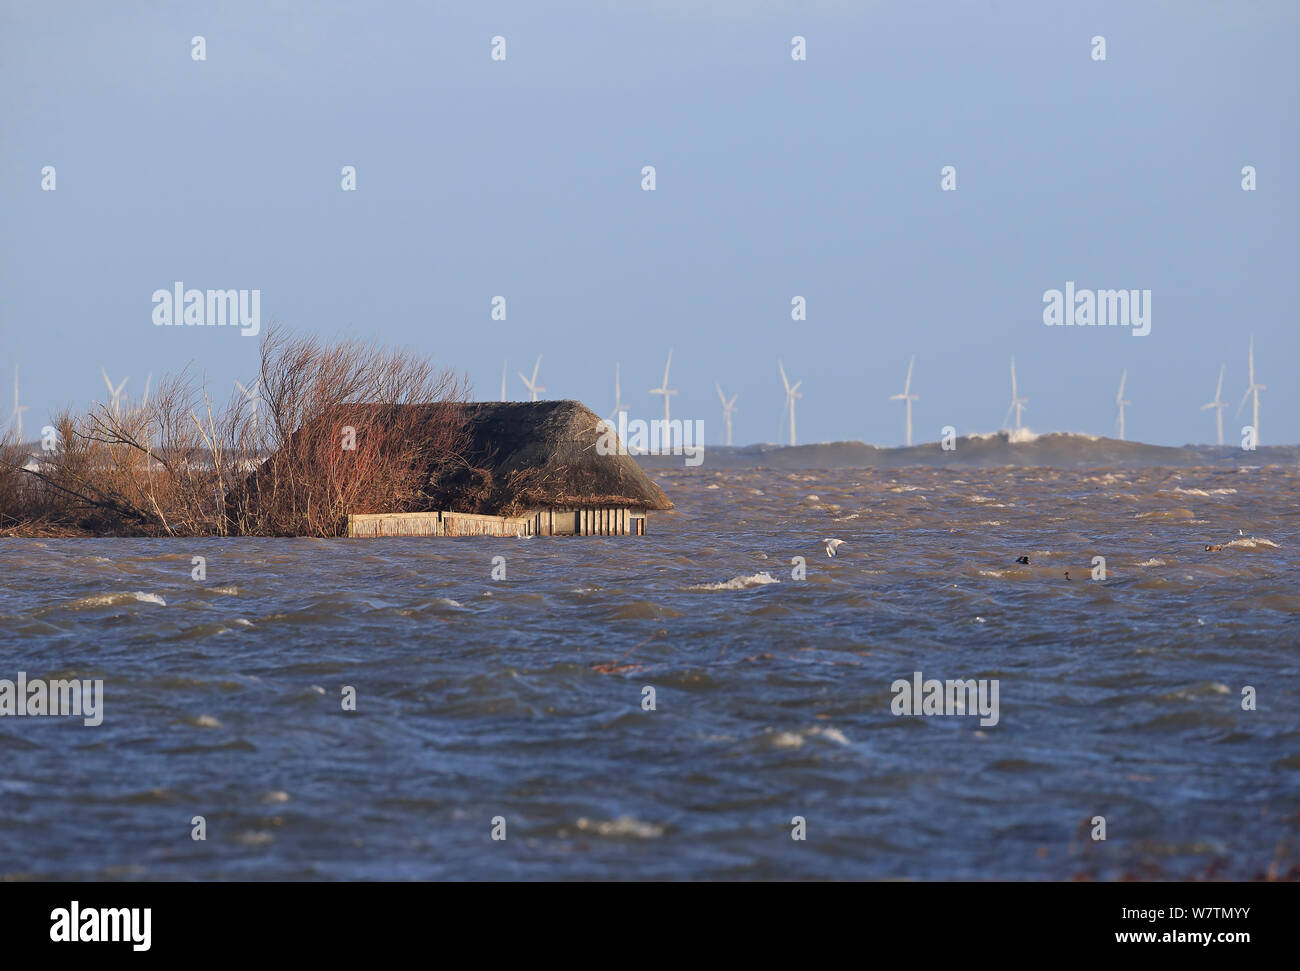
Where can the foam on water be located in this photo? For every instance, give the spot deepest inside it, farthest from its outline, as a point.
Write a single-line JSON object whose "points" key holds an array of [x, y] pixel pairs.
{"points": [[528, 703]]}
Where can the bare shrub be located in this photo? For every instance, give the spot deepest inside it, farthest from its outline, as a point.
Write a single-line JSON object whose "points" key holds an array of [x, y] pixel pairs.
{"points": [[186, 465], [313, 394]]}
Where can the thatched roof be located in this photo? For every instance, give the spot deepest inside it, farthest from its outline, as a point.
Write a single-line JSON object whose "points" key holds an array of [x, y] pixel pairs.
{"points": [[524, 454]]}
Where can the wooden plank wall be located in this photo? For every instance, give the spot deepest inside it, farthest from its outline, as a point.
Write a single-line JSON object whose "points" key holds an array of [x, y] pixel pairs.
{"points": [[591, 521]]}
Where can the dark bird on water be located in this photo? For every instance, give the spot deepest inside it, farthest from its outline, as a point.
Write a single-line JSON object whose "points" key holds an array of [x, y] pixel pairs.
{"points": [[1067, 574], [1023, 559]]}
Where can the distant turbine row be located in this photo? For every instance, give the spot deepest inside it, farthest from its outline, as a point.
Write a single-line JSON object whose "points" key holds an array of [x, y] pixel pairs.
{"points": [[907, 396]]}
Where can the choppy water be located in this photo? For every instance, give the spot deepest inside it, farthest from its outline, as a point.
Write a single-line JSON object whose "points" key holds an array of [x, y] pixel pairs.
{"points": [[522, 698]]}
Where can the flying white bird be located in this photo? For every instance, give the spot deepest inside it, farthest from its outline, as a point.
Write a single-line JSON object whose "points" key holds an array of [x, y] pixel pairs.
{"points": [[832, 545]]}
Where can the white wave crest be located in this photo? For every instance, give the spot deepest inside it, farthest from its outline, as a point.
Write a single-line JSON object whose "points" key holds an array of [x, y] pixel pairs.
{"points": [[737, 583]]}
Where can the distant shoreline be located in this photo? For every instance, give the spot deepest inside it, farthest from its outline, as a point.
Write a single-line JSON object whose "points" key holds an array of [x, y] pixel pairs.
{"points": [[1055, 450]]}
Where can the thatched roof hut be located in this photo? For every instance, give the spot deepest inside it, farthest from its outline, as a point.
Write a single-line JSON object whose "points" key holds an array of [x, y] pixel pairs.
{"points": [[539, 454], [494, 468]]}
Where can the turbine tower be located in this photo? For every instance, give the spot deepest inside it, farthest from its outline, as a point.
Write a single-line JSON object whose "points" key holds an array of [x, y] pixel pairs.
{"points": [[1254, 389], [1017, 403], [252, 397], [727, 408], [667, 392], [533, 387], [504, 366], [115, 395], [17, 416], [1218, 404], [618, 395], [1120, 402], [790, 394], [907, 397]]}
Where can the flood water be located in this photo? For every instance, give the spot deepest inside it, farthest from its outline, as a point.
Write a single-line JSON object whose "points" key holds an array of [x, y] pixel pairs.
{"points": [[522, 698]]}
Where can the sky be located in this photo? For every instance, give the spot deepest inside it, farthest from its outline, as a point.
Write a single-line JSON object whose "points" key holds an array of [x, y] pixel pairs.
{"points": [[774, 178]]}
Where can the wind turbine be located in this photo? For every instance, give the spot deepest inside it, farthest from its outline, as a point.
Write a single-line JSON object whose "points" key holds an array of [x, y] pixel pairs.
{"points": [[115, 395], [667, 392], [252, 396], [1254, 389], [1120, 402], [790, 394], [504, 365], [17, 416], [532, 385], [908, 397], [1218, 404], [618, 395], [1017, 403], [727, 408], [144, 402]]}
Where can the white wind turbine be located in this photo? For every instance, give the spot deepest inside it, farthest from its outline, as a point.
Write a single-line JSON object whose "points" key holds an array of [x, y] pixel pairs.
{"points": [[17, 416], [115, 395], [618, 396], [144, 401], [790, 394], [504, 366], [667, 392], [1120, 402], [533, 387], [1254, 389], [1218, 404], [1017, 403], [907, 397], [727, 408], [252, 396]]}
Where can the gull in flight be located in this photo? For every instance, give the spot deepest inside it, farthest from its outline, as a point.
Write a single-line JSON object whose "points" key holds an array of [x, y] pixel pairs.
{"points": [[832, 545]]}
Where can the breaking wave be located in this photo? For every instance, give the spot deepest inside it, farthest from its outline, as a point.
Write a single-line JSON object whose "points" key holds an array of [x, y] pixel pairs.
{"points": [[737, 583]]}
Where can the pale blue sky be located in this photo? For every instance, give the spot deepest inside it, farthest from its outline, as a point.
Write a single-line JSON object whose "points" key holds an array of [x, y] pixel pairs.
{"points": [[775, 178]]}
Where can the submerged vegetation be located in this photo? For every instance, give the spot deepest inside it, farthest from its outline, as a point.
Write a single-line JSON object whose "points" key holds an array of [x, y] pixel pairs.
{"points": [[322, 436]]}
